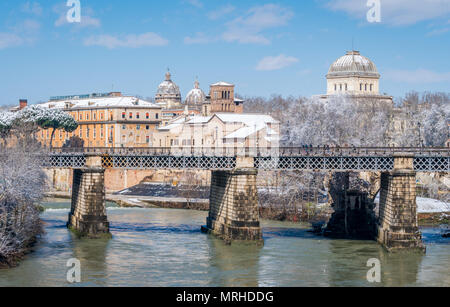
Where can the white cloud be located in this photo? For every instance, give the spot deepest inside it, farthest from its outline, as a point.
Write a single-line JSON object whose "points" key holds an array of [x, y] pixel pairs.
{"points": [[21, 34], [396, 12], [8, 40], [199, 38], [221, 12], [196, 3], [438, 32], [249, 28], [32, 8], [276, 62], [128, 41], [419, 76]]}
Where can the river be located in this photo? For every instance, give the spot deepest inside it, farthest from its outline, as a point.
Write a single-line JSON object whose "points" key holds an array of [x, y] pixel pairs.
{"points": [[165, 247]]}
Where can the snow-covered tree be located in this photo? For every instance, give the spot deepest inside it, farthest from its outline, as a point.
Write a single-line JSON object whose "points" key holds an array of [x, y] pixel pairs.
{"points": [[46, 119], [6, 124], [22, 183], [435, 124], [338, 120]]}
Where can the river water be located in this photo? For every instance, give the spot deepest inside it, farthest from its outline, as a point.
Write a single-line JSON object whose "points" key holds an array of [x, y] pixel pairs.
{"points": [[163, 247]]}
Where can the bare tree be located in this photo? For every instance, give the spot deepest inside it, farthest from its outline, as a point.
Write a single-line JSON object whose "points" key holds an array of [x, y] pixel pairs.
{"points": [[22, 182]]}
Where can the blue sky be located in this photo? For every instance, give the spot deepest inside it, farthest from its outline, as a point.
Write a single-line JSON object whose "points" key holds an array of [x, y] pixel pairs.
{"points": [[264, 47]]}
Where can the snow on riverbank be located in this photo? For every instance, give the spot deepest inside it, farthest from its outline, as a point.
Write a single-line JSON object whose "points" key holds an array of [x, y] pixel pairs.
{"points": [[428, 205]]}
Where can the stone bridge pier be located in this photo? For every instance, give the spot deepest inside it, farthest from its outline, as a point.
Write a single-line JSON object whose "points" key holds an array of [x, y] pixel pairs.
{"points": [[233, 211], [398, 226], [88, 211]]}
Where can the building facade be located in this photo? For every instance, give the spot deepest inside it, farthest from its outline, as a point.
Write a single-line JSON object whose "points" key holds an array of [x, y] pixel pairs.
{"points": [[111, 120], [221, 130]]}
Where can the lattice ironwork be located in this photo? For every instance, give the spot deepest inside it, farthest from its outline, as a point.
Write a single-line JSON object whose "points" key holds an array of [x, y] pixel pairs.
{"points": [[432, 164], [333, 163], [168, 162], [64, 161], [325, 163]]}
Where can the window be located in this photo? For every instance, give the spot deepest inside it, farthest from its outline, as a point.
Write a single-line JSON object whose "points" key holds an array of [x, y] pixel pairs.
{"points": [[81, 116], [371, 87], [157, 115], [335, 87], [365, 88], [360, 86], [138, 127], [124, 127], [147, 127], [87, 132], [346, 87], [123, 115], [95, 132], [340, 87], [137, 115], [147, 139], [95, 116], [131, 115], [87, 116], [147, 116]]}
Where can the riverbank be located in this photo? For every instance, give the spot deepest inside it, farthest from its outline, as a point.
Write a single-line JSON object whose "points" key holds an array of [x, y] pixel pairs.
{"points": [[19, 233]]}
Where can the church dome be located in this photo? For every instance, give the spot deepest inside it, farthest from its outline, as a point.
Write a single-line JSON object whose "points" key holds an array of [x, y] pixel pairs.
{"points": [[196, 96], [353, 64], [168, 90]]}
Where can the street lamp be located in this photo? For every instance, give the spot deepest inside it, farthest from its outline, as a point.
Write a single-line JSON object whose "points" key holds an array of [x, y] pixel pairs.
{"points": [[420, 137]]}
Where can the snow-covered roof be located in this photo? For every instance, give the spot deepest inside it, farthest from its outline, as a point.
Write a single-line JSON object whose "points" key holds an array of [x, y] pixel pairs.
{"points": [[174, 123], [221, 83], [353, 63], [248, 119], [199, 119], [103, 102], [196, 96]]}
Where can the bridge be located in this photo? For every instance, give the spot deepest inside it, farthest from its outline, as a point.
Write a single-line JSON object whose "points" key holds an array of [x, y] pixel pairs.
{"points": [[233, 213]]}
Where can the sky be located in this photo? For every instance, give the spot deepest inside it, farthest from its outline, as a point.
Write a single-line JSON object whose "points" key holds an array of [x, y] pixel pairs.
{"points": [[263, 47]]}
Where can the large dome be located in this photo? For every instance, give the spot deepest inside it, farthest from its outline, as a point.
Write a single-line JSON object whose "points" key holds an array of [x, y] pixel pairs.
{"points": [[353, 64], [196, 96], [168, 90]]}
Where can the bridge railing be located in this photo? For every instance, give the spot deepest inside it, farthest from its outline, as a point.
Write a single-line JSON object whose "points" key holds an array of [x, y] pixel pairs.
{"points": [[255, 152]]}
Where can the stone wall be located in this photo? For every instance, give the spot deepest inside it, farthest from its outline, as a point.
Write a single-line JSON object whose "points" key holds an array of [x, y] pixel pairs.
{"points": [[88, 211], [233, 211]]}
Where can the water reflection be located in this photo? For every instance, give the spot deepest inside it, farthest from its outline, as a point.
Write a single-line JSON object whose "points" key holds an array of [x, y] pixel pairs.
{"points": [[235, 265], [92, 257], [400, 269]]}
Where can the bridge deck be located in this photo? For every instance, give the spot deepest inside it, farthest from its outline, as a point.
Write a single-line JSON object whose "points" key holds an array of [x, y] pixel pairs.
{"points": [[335, 159]]}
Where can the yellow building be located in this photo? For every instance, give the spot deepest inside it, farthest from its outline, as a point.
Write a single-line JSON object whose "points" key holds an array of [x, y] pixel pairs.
{"points": [[106, 120]]}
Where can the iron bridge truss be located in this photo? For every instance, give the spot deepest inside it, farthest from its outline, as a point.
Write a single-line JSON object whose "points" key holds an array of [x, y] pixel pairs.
{"points": [[325, 163]]}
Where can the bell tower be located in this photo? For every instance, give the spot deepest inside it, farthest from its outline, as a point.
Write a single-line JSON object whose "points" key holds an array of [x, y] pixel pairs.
{"points": [[222, 99]]}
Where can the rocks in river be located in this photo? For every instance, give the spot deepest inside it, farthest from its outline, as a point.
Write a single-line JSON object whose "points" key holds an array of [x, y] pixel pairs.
{"points": [[446, 235]]}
